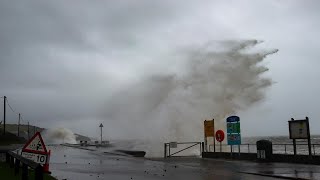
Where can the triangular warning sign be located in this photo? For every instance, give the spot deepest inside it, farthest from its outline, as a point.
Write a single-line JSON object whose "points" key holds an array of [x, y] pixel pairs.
{"points": [[35, 145]]}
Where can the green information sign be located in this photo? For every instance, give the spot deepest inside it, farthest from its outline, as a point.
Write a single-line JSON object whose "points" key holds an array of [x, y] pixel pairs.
{"points": [[233, 128]]}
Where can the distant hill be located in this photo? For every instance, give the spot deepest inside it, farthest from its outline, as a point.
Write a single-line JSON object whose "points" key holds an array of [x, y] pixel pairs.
{"points": [[10, 138], [13, 129], [23, 127]]}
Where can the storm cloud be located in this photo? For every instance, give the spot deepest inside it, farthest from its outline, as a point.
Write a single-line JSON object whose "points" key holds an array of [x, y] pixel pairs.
{"points": [[75, 64]]}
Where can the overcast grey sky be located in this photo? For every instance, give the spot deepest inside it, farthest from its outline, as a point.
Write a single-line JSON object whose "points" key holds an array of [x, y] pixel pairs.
{"points": [[67, 63]]}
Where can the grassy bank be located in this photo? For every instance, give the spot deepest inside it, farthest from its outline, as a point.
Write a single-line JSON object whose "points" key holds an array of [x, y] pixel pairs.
{"points": [[7, 173], [10, 138], [23, 128]]}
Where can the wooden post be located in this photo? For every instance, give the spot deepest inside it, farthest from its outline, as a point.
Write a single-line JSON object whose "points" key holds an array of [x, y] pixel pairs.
{"points": [[205, 145], [19, 125], [214, 139], [309, 138], [294, 143], [4, 114], [16, 166], [24, 172], [28, 131], [39, 173], [7, 158], [205, 138], [11, 162], [202, 143]]}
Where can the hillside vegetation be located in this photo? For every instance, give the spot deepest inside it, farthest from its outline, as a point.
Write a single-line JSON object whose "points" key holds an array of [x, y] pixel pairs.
{"points": [[10, 138]]}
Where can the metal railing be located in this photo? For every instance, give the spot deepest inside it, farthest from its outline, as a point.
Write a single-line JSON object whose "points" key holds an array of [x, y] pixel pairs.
{"points": [[167, 148], [16, 161], [285, 148]]}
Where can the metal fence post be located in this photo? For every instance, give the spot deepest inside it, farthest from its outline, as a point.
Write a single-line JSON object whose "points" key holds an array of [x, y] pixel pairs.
{"points": [[314, 150]]}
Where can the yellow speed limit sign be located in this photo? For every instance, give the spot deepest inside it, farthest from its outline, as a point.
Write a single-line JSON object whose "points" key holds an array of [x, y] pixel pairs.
{"points": [[209, 128]]}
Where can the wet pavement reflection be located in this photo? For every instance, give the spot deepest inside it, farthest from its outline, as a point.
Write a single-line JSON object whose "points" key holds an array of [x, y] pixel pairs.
{"points": [[77, 164]]}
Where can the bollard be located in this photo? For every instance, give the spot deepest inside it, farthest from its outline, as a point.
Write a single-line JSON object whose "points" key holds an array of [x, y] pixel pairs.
{"points": [[39, 173], [24, 175], [285, 149], [16, 166]]}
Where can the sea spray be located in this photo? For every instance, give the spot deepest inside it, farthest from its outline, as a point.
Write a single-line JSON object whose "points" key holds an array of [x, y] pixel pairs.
{"points": [[213, 81], [59, 135]]}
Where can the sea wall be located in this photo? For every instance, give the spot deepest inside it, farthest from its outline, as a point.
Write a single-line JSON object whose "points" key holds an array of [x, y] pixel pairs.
{"points": [[303, 159]]}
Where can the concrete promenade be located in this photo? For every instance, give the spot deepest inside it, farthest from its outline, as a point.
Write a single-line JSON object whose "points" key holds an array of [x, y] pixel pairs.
{"points": [[276, 170], [70, 163]]}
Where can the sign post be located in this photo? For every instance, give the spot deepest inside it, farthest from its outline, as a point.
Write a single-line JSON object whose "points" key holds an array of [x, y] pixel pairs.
{"points": [[36, 151], [233, 132], [220, 137], [299, 129], [208, 132], [101, 126]]}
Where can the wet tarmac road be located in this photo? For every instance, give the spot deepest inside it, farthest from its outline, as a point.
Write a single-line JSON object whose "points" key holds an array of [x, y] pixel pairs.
{"points": [[76, 164]]}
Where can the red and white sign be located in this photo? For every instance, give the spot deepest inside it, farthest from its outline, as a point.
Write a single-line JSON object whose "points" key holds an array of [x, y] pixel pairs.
{"points": [[35, 145], [35, 150], [219, 135], [38, 158]]}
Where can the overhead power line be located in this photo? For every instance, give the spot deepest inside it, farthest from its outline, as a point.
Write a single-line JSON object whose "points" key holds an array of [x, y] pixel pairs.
{"points": [[11, 107], [22, 119]]}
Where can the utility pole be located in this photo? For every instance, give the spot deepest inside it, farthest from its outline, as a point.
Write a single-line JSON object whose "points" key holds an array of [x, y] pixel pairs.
{"points": [[28, 132], [34, 130], [101, 126], [4, 115], [19, 125]]}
